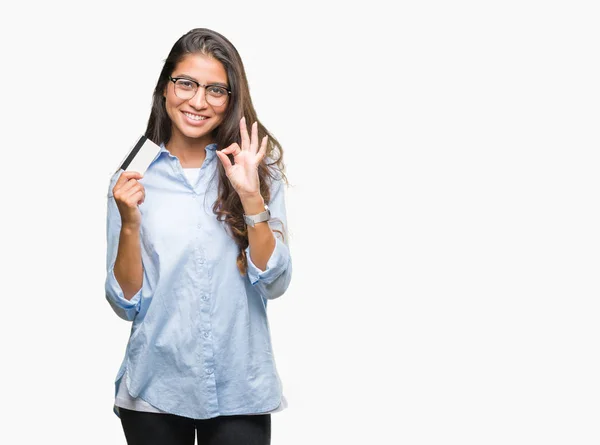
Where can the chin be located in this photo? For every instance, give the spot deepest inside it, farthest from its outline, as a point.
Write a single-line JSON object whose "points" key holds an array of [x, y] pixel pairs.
{"points": [[194, 133]]}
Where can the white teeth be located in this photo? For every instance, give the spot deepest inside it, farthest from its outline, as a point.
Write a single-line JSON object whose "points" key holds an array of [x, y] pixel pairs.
{"points": [[194, 117]]}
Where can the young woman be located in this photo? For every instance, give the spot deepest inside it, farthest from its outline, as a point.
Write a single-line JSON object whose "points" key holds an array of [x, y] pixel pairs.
{"points": [[195, 249]]}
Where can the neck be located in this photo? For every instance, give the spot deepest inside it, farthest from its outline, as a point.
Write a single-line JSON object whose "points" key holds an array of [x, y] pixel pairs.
{"points": [[190, 152]]}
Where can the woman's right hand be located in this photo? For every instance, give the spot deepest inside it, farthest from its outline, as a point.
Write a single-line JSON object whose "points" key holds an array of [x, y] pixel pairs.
{"points": [[129, 193]]}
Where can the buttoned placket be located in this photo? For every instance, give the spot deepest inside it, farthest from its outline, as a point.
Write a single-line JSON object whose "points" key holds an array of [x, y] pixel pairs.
{"points": [[204, 328], [201, 285]]}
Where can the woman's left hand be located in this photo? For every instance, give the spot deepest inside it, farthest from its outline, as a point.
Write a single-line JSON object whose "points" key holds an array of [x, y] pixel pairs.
{"points": [[244, 174]]}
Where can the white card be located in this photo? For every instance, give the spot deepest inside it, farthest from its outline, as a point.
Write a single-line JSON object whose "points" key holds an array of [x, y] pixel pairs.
{"points": [[140, 156]]}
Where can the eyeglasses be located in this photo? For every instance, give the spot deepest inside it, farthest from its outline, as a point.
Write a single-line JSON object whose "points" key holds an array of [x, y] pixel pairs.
{"points": [[185, 89]]}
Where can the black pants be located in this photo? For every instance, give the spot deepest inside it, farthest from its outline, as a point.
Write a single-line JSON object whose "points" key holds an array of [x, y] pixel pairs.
{"points": [[143, 428]]}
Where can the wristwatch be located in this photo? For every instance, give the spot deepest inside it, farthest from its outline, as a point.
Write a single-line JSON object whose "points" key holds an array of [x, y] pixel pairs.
{"points": [[261, 217]]}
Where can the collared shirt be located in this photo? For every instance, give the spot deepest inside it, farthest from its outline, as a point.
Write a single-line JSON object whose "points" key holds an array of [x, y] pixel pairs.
{"points": [[200, 344]]}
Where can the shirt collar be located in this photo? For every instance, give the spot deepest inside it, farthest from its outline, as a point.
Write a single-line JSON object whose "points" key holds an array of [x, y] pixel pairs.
{"points": [[210, 150]]}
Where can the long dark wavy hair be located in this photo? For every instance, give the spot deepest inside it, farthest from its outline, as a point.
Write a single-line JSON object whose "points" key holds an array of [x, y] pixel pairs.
{"points": [[228, 206]]}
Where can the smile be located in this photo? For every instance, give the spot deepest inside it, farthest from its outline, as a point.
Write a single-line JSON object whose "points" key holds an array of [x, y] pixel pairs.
{"points": [[195, 117]]}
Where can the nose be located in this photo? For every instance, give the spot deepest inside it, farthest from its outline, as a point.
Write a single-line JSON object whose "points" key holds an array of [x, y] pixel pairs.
{"points": [[199, 99]]}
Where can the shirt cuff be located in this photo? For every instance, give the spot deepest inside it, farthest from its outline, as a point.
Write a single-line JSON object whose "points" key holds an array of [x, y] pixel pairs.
{"points": [[275, 266]]}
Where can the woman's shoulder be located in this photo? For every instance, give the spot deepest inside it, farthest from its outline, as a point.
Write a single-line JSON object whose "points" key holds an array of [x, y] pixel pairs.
{"points": [[113, 180]]}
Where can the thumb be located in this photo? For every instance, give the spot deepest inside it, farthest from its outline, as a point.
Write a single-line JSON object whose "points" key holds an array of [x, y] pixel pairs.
{"points": [[224, 160]]}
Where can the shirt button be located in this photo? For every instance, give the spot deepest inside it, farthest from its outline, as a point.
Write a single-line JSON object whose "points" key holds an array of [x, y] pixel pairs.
{"points": [[204, 297], [209, 371], [206, 334], [201, 260]]}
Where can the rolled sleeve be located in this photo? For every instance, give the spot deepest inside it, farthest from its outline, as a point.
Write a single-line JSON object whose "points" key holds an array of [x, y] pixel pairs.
{"points": [[275, 279], [126, 309], [276, 265]]}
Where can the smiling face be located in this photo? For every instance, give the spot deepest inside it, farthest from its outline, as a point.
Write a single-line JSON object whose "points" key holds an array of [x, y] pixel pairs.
{"points": [[195, 118]]}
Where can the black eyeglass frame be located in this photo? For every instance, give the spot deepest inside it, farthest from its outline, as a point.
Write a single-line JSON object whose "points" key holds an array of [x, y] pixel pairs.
{"points": [[198, 85]]}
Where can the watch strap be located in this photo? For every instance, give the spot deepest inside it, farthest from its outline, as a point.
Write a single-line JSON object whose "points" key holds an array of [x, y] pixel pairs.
{"points": [[251, 220]]}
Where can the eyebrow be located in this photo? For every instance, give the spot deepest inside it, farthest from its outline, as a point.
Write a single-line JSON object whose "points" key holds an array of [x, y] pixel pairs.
{"points": [[221, 84]]}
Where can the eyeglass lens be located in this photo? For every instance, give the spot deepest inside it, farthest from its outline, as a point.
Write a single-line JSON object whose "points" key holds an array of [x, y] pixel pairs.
{"points": [[215, 95]]}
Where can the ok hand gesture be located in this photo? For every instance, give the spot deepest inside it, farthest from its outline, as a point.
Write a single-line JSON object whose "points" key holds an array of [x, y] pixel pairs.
{"points": [[244, 174]]}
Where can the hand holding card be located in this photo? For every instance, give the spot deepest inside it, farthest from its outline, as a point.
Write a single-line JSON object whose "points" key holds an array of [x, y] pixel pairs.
{"points": [[129, 193]]}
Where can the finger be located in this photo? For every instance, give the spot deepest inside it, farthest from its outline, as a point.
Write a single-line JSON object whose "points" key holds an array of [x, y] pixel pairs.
{"points": [[125, 187], [135, 199], [142, 199], [136, 196], [254, 141], [244, 134], [263, 149], [131, 174], [125, 177], [224, 160], [233, 149], [125, 196]]}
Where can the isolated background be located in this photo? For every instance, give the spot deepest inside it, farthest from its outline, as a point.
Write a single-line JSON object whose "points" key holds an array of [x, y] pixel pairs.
{"points": [[443, 212]]}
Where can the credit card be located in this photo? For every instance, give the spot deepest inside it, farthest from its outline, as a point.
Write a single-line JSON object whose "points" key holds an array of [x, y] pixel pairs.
{"points": [[140, 156]]}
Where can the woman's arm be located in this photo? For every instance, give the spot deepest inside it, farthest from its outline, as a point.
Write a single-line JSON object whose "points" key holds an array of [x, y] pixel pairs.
{"points": [[271, 273], [268, 254], [124, 268], [260, 237], [128, 264]]}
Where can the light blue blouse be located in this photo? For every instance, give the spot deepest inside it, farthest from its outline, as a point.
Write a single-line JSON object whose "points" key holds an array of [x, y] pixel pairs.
{"points": [[200, 344]]}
